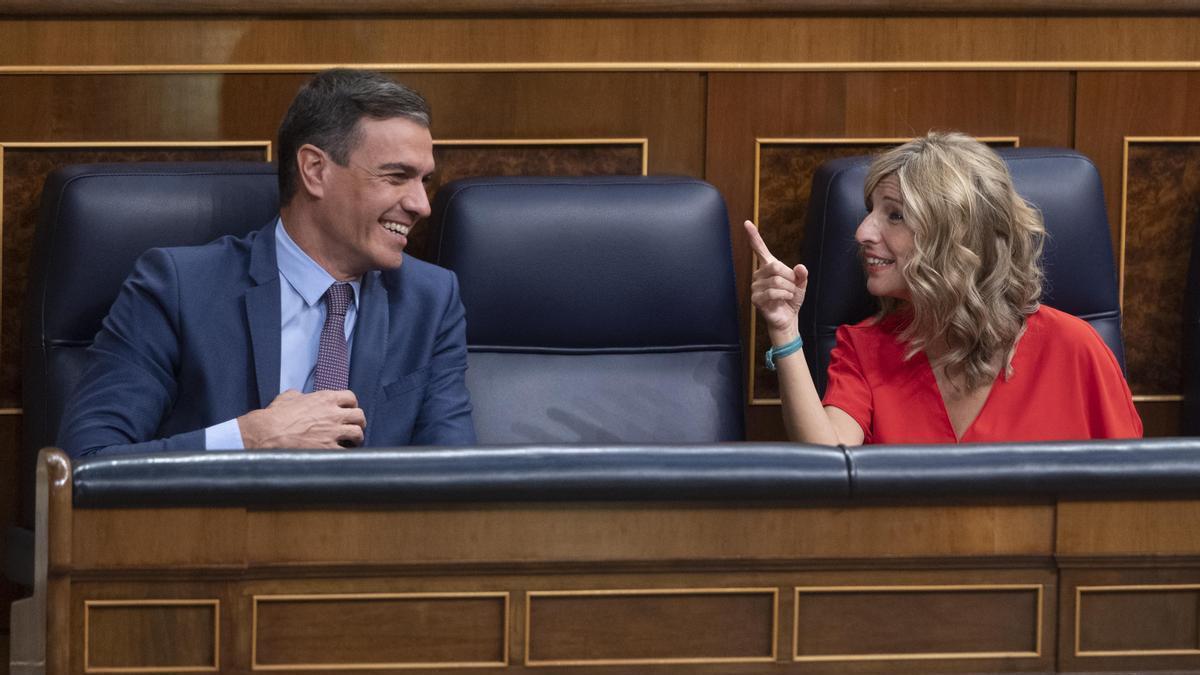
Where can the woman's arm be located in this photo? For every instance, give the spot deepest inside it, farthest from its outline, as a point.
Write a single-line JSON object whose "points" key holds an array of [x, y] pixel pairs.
{"points": [[778, 292]]}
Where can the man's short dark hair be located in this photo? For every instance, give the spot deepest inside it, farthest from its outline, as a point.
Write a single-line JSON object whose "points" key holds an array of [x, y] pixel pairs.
{"points": [[326, 111]]}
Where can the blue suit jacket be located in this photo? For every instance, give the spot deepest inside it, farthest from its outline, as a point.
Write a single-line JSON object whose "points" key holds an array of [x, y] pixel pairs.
{"points": [[193, 339]]}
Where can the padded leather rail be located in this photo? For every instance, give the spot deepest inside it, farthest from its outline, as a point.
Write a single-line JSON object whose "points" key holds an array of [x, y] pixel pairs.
{"points": [[1146, 468], [746, 471], [528, 473]]}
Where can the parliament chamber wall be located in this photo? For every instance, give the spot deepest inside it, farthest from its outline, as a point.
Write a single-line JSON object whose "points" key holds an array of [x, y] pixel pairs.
{"points": [[751, 96]]}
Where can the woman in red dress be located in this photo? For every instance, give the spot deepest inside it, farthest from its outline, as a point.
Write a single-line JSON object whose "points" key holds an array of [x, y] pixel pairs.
{"points": [[961, 350]]}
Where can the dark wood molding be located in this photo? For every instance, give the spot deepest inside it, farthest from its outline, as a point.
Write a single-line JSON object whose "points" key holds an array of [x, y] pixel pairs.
{"points": [[596, 7]]}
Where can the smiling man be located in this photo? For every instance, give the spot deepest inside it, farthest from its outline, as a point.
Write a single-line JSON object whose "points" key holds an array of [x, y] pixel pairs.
{"points": [[316, 331]]}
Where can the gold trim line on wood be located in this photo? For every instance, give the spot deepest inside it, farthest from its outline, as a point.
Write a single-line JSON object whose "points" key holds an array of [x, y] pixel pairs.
{"points": [[1157, 398], [598, 66], [318, 597], [758, 143], [534, 663], [1080, 590], [919, 656], [215, 603], [8, 411]]}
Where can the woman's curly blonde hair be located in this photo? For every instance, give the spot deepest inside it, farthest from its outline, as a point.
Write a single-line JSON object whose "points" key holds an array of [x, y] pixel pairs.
{"points": [[975, 272]]}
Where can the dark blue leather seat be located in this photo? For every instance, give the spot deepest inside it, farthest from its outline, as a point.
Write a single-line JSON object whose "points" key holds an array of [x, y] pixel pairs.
{"points": [[1078, 258], [95, 221], [599, 310]]}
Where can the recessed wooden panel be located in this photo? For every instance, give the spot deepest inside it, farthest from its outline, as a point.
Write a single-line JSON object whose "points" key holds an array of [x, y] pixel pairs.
{"points": [[1161, 211], [1110, 108], [297, 632], [931, 622], [784, 174], [651, 626], [1137, 620], [146, 635], [25, 168]]}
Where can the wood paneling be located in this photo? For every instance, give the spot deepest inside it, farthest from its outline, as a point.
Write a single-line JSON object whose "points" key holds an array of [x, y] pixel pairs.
{"points": [[930, 623], [1093, 528], [1129, 617], [585, 7], [380, 630], [609, 627], [1033, 107], [1162, 210], [651, 42], [179, 636], [1167, 619], [1111, 106]]}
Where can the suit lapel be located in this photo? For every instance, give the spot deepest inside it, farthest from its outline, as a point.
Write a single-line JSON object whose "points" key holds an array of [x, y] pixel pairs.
{"points": [[370, 344], [263, 315]]}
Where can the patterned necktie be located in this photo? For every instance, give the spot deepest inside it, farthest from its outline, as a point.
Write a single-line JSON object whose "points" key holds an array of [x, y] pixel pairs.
{"points": [[333, 360]]}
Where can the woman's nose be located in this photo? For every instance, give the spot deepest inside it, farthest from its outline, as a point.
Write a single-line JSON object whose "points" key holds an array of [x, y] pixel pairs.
{"points": [[866, 232]]}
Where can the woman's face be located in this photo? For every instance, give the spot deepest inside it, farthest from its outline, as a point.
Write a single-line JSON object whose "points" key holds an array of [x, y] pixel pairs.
{"points": [[885, 241]]}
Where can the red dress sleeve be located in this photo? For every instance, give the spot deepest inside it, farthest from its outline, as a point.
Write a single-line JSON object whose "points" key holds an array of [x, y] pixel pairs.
{"points": [[847, 388]]}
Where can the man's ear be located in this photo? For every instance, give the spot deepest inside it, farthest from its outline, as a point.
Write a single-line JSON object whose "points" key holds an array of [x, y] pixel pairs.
{"points": [[313, 165]]}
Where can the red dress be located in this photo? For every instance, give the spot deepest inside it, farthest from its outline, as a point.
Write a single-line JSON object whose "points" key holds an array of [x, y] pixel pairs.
{"points": [[1065, 385]]}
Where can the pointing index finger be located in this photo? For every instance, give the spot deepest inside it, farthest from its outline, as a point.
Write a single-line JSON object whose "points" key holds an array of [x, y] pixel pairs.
{"points": [[757, 243]]}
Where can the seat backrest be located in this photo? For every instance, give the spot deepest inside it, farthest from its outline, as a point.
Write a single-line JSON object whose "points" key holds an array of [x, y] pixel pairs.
{"points": [[95, 220], [599, 310], [1078, 259]]}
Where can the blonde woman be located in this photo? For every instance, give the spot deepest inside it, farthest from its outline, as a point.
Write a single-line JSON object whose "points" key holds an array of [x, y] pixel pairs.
{"points": [[961, 349]]}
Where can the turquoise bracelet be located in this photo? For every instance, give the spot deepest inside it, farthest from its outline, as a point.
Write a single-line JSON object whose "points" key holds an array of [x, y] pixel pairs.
{"points": [[782, 351]]}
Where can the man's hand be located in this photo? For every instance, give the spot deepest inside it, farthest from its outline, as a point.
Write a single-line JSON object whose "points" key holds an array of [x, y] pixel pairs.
{"points": [[322, 419], [777, 290]]}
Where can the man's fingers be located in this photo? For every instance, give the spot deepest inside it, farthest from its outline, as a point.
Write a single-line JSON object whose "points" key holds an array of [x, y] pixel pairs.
{"points": [[354, 416], [757, 243], [350, 435], [342, 398]]}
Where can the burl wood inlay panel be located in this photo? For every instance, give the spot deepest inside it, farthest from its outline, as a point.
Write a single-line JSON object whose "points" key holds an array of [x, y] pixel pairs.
{"points": [[785, 180], [121, 636], [1162, 209], [532, 159], [1139, 620], [25, 169], [917, 623], [399, 631], [606, 627]]}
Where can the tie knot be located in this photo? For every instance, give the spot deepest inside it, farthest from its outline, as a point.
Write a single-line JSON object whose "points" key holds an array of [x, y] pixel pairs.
{"points": [[338, 298]]}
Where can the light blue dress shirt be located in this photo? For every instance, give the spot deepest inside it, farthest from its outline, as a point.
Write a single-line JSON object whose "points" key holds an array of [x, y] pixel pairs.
{"points": [[302, 284]]}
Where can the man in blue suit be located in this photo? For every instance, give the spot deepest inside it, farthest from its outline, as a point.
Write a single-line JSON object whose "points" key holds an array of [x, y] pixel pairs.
{"points": [[367, 345]]}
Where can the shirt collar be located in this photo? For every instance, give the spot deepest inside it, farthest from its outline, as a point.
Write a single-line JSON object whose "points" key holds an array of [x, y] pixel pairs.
{"points": [[304, 274]]}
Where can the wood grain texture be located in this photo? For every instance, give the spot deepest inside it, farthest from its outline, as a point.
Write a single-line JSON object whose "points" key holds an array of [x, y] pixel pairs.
{"points": [[1167, 619], [1095, 528], [1149, 618], [1111, 106], [498, 42], [932, 622], [358, 631], [589, 7], [621, 627], [1162, 211], [151, 635]]}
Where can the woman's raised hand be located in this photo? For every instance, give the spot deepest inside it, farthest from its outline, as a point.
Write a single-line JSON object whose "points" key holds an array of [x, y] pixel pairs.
{"points": [[777, 290]]}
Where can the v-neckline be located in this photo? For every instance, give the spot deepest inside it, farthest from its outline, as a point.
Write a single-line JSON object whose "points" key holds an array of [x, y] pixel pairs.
{"points": [[937, 390]]}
